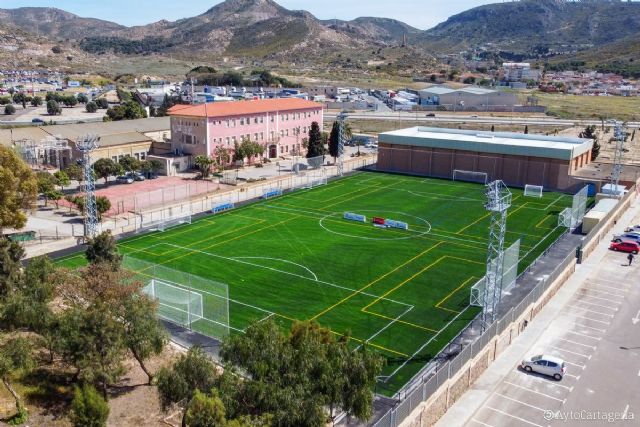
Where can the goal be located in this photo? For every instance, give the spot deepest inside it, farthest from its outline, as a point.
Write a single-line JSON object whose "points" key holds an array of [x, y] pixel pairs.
{"points": [[470, 176], [175, 303], [172, 221], [533, 190], [315, 182]]}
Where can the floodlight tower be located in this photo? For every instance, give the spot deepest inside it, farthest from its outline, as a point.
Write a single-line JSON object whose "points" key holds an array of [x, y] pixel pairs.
{"points": [[619, 134], [342, 117], [498, 202], [86, 145]]}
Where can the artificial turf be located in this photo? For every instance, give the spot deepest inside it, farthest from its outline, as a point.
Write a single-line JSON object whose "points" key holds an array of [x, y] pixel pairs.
{"points": [[403, 292]]}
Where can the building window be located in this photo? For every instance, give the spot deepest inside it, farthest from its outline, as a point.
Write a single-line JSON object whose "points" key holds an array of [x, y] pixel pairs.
{"points": [[143, 156], [228, 141], [114, 158], [242, 122], [255, 136], [261, 119], [255, 119], [261, 136], [233, 123], [287, 132], [272, 118]]}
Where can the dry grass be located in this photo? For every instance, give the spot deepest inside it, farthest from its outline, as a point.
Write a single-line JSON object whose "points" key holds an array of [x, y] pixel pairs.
{"points": [[591, 107]]}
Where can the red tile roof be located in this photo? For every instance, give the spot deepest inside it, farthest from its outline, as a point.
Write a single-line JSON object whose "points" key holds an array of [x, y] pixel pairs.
{"points": [[237, 108]]}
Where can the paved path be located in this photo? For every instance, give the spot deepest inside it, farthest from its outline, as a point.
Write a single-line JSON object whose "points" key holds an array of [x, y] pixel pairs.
{"points": [[591, 324]]}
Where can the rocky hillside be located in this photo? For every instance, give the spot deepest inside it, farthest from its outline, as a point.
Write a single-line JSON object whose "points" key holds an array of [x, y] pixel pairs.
{"points": [[533, 28]]}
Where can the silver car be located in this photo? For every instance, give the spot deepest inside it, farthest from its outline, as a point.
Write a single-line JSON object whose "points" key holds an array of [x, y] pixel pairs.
{"points": [[546, 365], [631, 236]]}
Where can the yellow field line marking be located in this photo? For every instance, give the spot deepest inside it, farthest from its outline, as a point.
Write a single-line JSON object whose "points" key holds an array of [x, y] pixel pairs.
{"points": [[464, 259], [348, 297], [443, 300], [404, 282], [191, 252], [399, 321], [516, 209], [350, 337], [260, 221], [543, 220], [472, 224]]}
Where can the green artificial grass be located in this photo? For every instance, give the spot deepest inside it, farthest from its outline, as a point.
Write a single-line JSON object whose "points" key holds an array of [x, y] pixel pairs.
{"points": [[405, 293]]}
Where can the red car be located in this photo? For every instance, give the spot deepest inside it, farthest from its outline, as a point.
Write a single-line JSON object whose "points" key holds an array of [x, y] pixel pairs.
{"points": [[631, 247]]}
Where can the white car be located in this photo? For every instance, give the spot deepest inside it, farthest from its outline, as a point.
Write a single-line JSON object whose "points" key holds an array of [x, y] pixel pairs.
{"points": [[546, 365], [633, 229]]}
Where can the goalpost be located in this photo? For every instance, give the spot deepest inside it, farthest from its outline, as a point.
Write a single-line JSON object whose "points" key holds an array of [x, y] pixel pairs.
{"points": [[470, 176], [533, 190], [176, 304]]}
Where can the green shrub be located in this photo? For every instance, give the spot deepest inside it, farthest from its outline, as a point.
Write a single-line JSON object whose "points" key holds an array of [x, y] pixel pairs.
{"points": [[88, 408], [9, 110]]}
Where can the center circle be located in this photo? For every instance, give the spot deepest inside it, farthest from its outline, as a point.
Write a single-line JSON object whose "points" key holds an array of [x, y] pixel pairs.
{"points": [[392, 215]]}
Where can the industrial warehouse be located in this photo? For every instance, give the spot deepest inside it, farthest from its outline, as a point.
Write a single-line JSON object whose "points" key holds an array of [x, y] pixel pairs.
{"points": [[517, 159]]}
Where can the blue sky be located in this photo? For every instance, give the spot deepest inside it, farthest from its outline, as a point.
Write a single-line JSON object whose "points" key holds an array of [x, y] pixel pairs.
{"points": [[419, 13]]}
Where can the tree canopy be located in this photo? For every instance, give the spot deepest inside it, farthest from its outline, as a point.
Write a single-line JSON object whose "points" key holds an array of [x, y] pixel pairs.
{"points": [[19, 186]]}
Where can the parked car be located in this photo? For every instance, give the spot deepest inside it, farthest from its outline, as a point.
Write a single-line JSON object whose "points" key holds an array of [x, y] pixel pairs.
{"points": [[136, 176], [633, 228], [431, 115], [123, 179], [627, 237], [629, 247], [546, 365], [37, 120]]}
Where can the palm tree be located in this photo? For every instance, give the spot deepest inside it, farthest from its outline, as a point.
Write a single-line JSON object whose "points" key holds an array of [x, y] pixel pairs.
{"points": [[203, 163]]}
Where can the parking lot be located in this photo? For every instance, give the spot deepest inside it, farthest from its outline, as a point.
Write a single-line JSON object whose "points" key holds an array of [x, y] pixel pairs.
{"points": [[593, 324]]}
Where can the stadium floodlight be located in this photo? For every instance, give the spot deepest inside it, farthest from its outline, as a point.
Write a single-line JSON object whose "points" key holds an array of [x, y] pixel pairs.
{"points": [[533, 190], [620, 135], [497, 203], [470, 176], [86, 145], [342, 117]]}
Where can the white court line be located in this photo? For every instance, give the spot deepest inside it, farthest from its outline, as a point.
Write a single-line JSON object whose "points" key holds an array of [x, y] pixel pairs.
{"points": [[578, 343], [571, 352], [580, 325], [603, 299], [598, 305], [585, 335], [591, 311], [625, 290], [577, 377], [549, 383], [600, 279], [520, 402], [512, 416], [534, 391], [577, 365], [588, 318], [602, 292], [481, 423]]}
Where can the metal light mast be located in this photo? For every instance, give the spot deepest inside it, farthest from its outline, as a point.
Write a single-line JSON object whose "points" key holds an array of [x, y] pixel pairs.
{"points": [[619, 134], [86, 145], [341, 137], [498, 202]]}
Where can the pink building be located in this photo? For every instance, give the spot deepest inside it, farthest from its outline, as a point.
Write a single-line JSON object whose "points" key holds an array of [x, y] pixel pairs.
{"points": [[277, 124]]}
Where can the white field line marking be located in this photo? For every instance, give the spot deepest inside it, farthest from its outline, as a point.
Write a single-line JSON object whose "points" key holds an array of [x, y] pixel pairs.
{"points": [[578, 343], [603, 299], [577, 365], [590, 311], [385, 327], [512, 416], [598, 305], [580, 325], [481, 423], [624, 413], [550, 383], [283, 272], [584, 335], [534, 391], [520, 402], [625, 290], [280, 259], [577, 377], [571, 352], [609, 294], [588, 318]]}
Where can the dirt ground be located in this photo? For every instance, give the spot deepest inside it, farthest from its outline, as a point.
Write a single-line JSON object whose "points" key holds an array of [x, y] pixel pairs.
{"points": [[132, 402]]}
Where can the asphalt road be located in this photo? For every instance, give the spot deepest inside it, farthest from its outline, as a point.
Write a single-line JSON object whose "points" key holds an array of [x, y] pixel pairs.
{"points": [[593, 324], [471, 118]]}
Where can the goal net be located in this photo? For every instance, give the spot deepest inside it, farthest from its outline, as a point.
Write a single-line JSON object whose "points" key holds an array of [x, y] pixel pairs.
{"points": [[470, 176], [533, 190], [229, 177], [163, 219], [510, 263], [190, 301], [315, 162], [572, 217], [175, 304]]}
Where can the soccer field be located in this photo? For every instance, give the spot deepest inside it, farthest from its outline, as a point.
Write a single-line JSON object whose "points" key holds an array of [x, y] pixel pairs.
{"points": [[403, 292]]}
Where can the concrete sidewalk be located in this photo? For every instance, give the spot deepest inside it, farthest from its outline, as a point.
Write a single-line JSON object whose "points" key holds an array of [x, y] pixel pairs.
{"points": [[465, 408]]}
